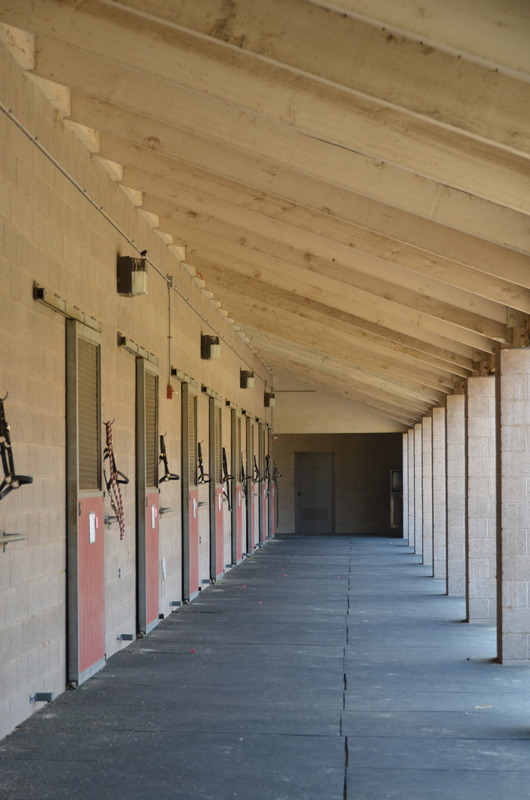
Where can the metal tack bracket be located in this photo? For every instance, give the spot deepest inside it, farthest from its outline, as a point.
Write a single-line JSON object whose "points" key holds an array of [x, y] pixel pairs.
{"points": [[7, 538]]}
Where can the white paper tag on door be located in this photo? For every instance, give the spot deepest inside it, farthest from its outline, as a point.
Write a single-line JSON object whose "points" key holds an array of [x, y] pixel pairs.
{"points": [[92, 525], [153, 517]]}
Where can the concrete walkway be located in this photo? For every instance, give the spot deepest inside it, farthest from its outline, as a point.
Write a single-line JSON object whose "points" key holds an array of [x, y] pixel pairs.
{"points": [[319, 669]]}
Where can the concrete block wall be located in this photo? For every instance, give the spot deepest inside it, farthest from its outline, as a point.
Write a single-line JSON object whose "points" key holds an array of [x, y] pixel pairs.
{"points": [[51, 234], [481, 500], [362, 478], [456, 494]]}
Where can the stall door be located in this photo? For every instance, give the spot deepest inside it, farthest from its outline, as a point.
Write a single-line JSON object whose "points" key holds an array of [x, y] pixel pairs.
{"points": [[85, 526], [215, 491], [250, 504], [147, 497], [236, 487], [190, 496], [314, 493], [263, 487], [273, 487]]}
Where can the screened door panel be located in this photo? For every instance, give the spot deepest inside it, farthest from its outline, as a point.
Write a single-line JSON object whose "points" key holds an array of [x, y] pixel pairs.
{"points": [[151, 429], [89, 439], [147, 498]]}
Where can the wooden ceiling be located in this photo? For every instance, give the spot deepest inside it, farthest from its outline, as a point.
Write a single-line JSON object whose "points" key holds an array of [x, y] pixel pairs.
{"points": [[351, 179]]}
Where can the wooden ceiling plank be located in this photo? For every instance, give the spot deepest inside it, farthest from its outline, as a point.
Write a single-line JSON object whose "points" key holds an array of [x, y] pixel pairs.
{"points": [[78, 37], [328, 372], [283, 274], [323, 336], [335, 261], [298, 372], [335, 347], [40, 14], [329, 364], [241, 299], [242, 304], [139, 120], [459, 360], [413, 261], [357, 55], [492, 32], [294, 190]]}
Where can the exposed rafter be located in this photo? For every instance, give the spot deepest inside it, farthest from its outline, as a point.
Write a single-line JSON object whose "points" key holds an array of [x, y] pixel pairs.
{"points": [[350, 178]]}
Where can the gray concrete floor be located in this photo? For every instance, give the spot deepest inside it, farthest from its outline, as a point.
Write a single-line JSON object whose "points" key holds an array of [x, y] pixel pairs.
{"points": [[319, 669]]}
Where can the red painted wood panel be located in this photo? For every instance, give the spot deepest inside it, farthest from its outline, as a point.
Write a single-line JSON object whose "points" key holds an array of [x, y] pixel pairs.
{"points": [[219, 532], [152, 572], [90, 582], [264, 532], [239, 521], [254, 499], [273, 509], [194, 541]]}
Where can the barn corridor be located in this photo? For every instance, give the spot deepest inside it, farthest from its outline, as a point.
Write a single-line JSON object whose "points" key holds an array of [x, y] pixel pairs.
{"points": [[322, 668]]}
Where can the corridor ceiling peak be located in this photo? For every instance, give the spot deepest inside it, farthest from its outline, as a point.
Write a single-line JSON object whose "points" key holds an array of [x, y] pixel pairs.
{"points": [[351, 179]]}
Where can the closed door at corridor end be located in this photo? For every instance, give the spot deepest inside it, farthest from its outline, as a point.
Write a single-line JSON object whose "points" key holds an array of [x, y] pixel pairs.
{"points": [[314, 494]]}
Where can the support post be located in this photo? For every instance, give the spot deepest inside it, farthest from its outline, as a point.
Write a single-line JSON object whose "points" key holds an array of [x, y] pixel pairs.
{"points": [[456, 495], [405, 487], [426, 440], [481, 511], [418, 494], [410, 436], [439, 494], [513, 506]]}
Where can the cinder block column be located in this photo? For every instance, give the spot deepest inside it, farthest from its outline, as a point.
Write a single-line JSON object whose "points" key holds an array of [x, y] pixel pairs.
{"points": [[405, 486], [418, 494], [410, 436], [481, 594], [456, 494], [439, 494], [426, 441], [513, 521]]}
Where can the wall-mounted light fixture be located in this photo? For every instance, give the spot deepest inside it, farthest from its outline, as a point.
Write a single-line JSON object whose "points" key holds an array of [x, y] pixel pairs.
{"points": [[246, 379], [210, 347], [131, 275], [269, 400]]}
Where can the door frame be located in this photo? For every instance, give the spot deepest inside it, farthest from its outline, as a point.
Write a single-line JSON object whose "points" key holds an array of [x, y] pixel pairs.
{"points": [[189, 498], [143, 491], [215, 488], [75, 498]]}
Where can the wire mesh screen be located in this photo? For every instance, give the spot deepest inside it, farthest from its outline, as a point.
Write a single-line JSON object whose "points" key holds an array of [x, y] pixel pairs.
{"points": [[89, 441], [151, 432]]}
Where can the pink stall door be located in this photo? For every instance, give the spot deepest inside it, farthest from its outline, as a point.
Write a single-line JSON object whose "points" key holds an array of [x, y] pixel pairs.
{"points": [[239, 522], [219, 532], [194, 542], [151, 559], [90, 586]]}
